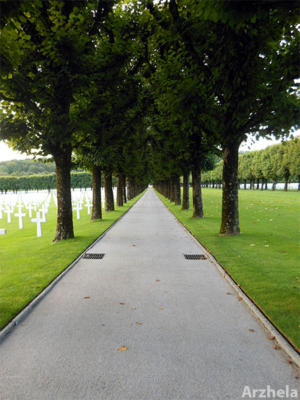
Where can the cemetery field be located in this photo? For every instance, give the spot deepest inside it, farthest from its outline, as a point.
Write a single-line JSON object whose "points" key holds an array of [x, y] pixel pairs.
{"points": [[29, 263], [264, 259]]}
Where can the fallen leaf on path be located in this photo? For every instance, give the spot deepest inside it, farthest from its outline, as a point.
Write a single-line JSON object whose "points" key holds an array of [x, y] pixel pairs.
{"points": [[271, 338], [157, 280], [133, 307], [134, 245], [166, 291], [161, 308], [121, 303], [228, 293], [289, 361], [276, 347], [139, 323], [123, 348], [251, 330], [86, 297], [239, 298]]}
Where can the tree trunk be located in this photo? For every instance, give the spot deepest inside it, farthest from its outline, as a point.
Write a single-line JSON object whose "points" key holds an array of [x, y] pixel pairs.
{"points": [[172, 190], [109, 196], [123, 177], [230, 212], [273, 185], [177, 190], [257, 184], [96, 187], [64, 227], [186, 194], [286, 181], [119, 191], [197, 192], [262, 184], [266, 184], [245, 184], [252, 184], [169, 189]]}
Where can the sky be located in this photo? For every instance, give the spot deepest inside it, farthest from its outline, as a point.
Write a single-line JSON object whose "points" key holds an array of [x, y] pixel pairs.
{"points": [[6, 153]]}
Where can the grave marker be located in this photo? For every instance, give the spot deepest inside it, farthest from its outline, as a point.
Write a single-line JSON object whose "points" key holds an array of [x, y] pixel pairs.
{"points": [[20, 215], [38, 221]]}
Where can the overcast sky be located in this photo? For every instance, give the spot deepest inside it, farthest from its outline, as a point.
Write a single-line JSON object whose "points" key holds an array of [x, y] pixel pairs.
{"points": [[6, 153]]}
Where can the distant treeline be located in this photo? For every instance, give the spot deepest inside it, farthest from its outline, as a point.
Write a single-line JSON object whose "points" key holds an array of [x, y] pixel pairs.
{"points": [[278, 163], [25, 167], [42, 181]]}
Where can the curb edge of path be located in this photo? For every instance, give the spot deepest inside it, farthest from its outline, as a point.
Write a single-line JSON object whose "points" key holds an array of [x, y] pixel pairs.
{"points": [[34, 302], [258, 314]]}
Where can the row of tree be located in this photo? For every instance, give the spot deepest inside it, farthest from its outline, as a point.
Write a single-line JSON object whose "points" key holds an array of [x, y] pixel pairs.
{"points": [[25, 167], [145, 90], [43, 181], [278, 163]]}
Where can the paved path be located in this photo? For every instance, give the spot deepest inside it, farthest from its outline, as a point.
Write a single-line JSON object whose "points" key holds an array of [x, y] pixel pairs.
{"points": [[193, 341]]}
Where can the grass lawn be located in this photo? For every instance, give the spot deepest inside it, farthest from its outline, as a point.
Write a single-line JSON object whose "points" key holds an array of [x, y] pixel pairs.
{"points": [[265, 258], [28, 264]]}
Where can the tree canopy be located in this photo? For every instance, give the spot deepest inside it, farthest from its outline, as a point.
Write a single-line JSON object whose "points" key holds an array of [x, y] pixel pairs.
{"points": [[150, 90]]}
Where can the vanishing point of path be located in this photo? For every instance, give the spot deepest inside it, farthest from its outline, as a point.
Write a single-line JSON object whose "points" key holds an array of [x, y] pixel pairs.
{"points": [[184, 337]]}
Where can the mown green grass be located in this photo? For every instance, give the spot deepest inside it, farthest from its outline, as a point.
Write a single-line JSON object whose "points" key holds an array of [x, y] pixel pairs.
{"points": [[265, 258], [28, 264]]}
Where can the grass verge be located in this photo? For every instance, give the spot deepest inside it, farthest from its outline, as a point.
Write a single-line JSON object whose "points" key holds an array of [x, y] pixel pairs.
{"points": [[28, 264], [264, 259]]}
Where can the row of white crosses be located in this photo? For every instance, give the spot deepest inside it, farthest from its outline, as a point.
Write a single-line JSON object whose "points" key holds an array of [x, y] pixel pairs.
{"points": [[38, 203], [81, 199], [31, 201]]}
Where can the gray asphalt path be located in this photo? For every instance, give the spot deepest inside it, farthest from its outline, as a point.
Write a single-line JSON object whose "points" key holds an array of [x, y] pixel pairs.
{"points": [[185, 338]]}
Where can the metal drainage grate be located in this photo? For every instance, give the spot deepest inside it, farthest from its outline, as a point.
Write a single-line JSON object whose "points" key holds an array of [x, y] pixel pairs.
{"points": [[94, 256], [194, 257]]}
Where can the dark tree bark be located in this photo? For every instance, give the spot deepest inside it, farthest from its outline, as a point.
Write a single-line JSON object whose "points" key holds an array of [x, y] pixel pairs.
{"points": [[96, 187], [273, 185], [245, 184], [130, 186], [123, 177], [186, 194], [197, 192], [266, 184], [172, 189], [169, 189], [262, 184], [120, 191], [177, 190], [257, 184], [230, 211], [109, 196], [286, 180], [64, 227], [252, 184]]}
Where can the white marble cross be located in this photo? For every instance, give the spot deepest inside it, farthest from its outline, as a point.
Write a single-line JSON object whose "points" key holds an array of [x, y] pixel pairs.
{"points": [[1, 211], [77, 208], [43, 210], [8, 211], [88, 204], [20, 215], [38, 221], [30, 207]]}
